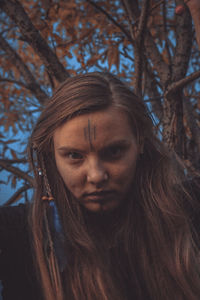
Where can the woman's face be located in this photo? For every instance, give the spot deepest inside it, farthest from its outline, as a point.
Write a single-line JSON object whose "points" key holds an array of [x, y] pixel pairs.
{"points": [[96, 155]]}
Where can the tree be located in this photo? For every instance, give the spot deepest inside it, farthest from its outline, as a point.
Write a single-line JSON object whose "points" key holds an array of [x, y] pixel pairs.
{"points": [[149, 43]]}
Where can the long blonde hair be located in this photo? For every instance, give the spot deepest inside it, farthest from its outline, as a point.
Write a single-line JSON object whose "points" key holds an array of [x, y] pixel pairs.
{"points": [[154, 237]]}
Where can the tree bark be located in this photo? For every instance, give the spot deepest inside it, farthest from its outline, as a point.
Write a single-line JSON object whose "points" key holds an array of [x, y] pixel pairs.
{"points": [[194, 7], [173, 129]]}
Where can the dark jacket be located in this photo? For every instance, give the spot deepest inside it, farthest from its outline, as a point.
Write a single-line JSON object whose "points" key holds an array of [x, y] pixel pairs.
{"points": [[17, 270]]}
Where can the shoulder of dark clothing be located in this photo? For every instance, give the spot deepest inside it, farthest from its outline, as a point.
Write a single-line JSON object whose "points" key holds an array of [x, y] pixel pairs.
{"points": [[16, 264]]}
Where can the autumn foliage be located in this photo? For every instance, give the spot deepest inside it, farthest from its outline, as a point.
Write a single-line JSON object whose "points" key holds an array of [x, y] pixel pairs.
{"points": [[148, 43]]}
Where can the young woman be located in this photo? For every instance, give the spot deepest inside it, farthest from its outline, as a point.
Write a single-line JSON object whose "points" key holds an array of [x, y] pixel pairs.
{"points": [[110, 219]]}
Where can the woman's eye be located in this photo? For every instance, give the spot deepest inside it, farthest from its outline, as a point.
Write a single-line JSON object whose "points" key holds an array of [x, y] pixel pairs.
{"points": [[74, 156], [114, 152]]}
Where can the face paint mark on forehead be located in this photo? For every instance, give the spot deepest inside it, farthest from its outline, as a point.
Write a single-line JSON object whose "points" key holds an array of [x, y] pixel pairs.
{"points": [[94, 132], [90, 133], [85, 133]]}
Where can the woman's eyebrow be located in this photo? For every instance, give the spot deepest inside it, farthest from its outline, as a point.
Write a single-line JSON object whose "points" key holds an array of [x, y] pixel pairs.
{"points": [[122, 142], [117, 143], [70, 149]]}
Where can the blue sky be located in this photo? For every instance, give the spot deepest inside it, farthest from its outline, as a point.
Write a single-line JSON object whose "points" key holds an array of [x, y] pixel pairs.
{"points": [[6, 190]]}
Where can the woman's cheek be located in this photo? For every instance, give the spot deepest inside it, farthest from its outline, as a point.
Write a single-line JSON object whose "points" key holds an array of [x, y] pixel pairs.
{"points": [[73, 181], [125, 171]]}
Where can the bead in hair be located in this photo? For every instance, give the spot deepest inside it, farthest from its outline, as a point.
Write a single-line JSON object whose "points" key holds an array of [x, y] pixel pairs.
{"points": [[40, 172], [46, 198]]}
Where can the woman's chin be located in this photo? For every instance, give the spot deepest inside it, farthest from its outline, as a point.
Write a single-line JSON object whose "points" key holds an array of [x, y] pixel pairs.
{"points": [[100, 207]]}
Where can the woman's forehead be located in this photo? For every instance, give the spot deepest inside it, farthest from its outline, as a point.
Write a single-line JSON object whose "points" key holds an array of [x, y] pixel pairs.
{"points": [[101, 125]]}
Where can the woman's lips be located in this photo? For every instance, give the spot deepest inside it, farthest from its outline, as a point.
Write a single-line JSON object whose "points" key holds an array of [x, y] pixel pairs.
{"points": [[103, 196]]}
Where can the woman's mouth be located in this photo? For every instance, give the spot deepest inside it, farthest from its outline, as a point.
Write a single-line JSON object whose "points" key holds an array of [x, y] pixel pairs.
{"points": [[102, 196]]}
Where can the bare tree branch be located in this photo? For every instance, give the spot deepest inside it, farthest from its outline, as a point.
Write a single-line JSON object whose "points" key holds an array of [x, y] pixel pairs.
{"points": [[132, 8], [17, 172], [126, 55], [24, 70], [184, 38], [139, 56], [172, 88], [152, 91], [151, 48], [13, 81], [16, 12], [194, 7], [173, 128], [166, 37], [142, 21], [149, 100], [127, 9], [14, 161], [153, 53], [15, 196]]}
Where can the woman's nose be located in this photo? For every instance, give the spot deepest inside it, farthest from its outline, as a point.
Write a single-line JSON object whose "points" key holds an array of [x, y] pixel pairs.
{"points": [[96, 173]]}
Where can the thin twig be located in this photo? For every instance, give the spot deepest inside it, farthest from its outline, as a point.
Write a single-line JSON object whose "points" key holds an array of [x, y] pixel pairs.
{"points": [[112, 20], [13, 81], [153, 99], [14, 161], [17, 172], [15, 196]]}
